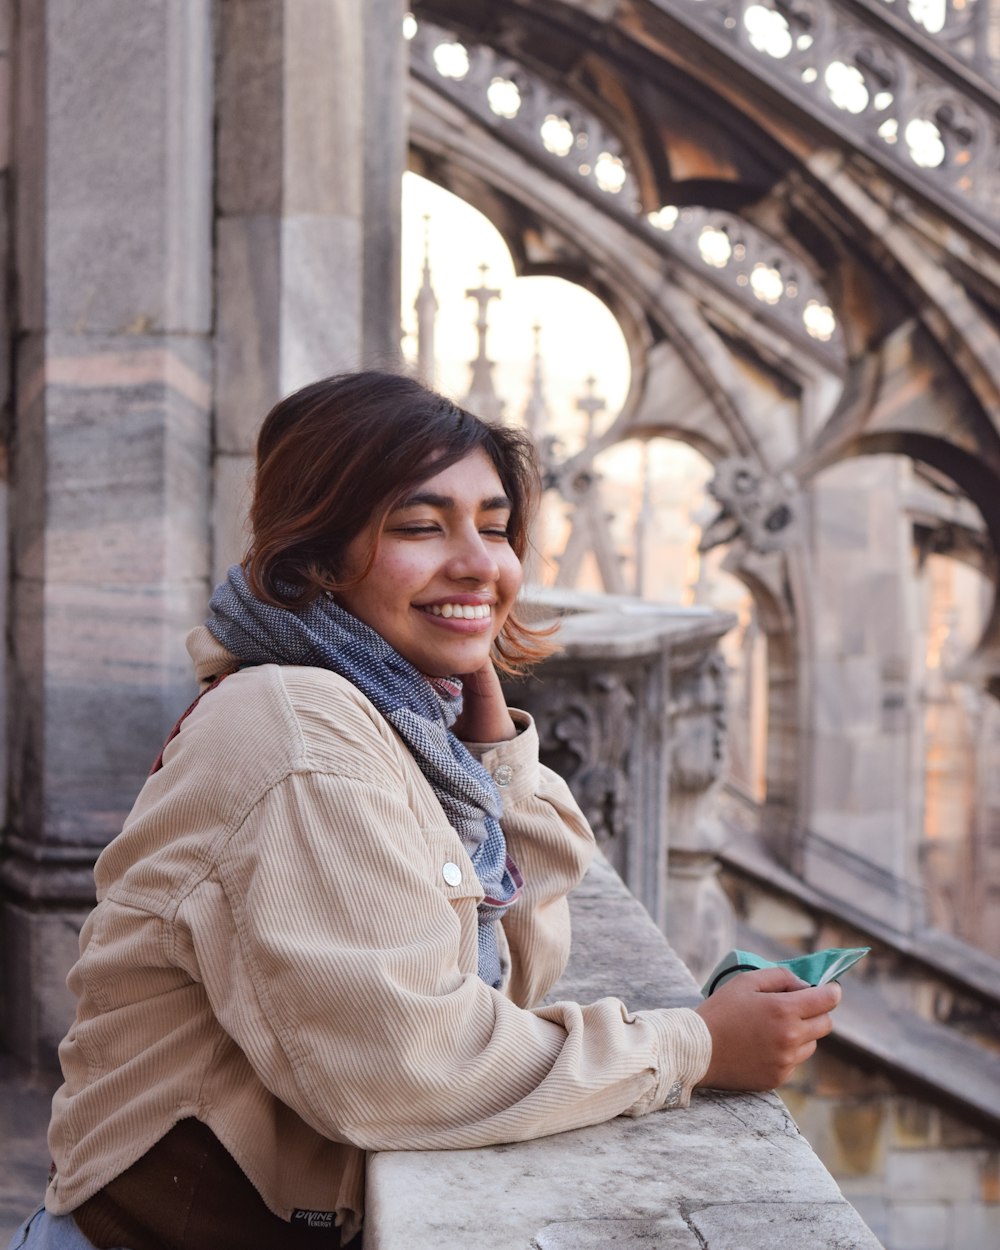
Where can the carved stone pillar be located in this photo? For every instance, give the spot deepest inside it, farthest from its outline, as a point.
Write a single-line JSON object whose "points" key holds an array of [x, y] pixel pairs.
{"points": [[700, 921], [632, 713], [152, 288], [112, 233], [311, 153]]}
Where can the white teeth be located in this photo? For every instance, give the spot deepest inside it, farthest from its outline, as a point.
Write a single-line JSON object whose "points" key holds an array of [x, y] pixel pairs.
{"points": [[466, 611]]}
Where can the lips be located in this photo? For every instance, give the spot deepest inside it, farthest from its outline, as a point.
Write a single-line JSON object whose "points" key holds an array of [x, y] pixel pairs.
{"points": [[460, 611]]}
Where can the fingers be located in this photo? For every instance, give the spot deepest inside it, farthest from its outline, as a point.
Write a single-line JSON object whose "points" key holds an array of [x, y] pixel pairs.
{"points": [[810, 1000], [763, 1025], [772, 980], [818, 1000]]}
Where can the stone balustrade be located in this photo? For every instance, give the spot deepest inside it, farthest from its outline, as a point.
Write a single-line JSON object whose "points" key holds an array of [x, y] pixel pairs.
{"points": [[631, 711], [730, 1172]]}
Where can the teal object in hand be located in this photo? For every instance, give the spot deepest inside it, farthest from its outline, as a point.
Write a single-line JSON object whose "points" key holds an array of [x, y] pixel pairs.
{"points": [[814, 969]]}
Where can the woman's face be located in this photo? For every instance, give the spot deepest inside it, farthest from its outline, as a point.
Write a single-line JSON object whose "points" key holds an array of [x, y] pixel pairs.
{"points": [[444, 576]]}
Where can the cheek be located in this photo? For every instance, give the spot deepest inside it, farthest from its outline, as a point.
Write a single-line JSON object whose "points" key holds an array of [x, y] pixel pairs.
{"points": [[511, 575], [404, 571]]}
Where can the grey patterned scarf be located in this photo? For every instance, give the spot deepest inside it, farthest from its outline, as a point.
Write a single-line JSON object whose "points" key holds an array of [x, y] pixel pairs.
{"points": [[322, 634]]}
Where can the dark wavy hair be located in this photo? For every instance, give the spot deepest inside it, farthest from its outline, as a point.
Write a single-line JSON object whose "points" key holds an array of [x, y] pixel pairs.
{"points": [[339, 454]]}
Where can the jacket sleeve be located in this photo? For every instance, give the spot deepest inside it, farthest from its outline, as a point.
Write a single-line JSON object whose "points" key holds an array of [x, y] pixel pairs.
{"points": [[550, 841], [342, 974]]}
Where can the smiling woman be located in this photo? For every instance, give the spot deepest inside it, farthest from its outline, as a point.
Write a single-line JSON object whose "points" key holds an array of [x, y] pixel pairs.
{"points": [[444, 576], [340, 897]]}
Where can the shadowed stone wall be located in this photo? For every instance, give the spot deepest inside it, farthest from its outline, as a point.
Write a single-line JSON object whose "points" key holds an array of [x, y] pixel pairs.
{"points": [[112, 437], [311, 148], [206, 215]]}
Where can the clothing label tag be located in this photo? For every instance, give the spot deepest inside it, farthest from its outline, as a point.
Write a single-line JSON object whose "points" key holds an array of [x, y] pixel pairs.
{"points": [[322, 1221]]}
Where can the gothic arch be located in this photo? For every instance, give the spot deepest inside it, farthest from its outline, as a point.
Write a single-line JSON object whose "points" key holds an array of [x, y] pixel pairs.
{"points": [[905, 258], [675, 345]]}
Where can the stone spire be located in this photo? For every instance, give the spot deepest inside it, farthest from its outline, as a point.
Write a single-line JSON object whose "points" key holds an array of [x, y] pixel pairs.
{"points": [[426, 308], [590, 404], [536, 410], [482, 398]]}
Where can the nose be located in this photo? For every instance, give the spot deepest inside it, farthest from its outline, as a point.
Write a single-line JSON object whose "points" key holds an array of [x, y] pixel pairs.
{"points": [[471, 559]]}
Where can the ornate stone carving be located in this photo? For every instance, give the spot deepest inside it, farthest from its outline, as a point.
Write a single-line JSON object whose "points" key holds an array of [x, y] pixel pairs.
{"points": [[700, 921], [755, 506], [877, 76], [632, 713], [698, 725], [575, 146], [583, 723]]}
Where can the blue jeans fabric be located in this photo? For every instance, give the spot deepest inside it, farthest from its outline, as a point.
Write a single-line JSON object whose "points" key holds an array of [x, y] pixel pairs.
{"points": [[42, 1231]]}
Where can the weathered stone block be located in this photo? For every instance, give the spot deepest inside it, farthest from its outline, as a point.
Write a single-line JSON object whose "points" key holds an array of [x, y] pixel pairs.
{"points": [[124, 451], [126, 210], [919, 1226], [858, 1131], [102, 676], [321, 297], [250, 115], [935, 1175], [248, 335], [974, 1227], [39, 948], [873, 1209], [792, 1226], [841, 519], [326, 100]]}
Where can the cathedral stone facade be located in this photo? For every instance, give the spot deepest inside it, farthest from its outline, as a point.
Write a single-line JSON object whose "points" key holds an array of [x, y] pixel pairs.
{"points": [[792, 212]]}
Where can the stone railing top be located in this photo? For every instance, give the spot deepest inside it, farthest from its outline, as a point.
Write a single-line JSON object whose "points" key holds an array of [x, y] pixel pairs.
{"points": [[731, 1171], [600, 626]]}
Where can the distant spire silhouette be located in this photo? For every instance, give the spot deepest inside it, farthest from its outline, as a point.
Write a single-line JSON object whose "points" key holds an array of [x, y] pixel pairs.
{"points": [[426, 308], [481, 397], [590, 404], [536, 410]]}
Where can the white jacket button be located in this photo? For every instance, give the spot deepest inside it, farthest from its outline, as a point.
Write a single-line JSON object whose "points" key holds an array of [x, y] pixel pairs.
{"points": [[452, 874], [503, 774]]}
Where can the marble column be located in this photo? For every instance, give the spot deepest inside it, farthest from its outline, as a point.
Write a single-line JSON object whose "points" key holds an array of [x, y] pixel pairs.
{"points": [[311, 151], [111, 451], [863, 754]]}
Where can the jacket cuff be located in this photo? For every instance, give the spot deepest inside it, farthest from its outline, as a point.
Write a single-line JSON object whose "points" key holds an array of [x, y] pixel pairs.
{"points": [[684, 1049], [513, 765]]}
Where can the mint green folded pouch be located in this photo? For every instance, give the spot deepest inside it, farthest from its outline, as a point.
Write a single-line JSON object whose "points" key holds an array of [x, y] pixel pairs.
{"points": [[815, 969]]}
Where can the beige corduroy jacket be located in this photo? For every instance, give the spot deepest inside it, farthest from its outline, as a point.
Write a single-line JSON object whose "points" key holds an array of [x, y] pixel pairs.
{"points": [[279, 951]]}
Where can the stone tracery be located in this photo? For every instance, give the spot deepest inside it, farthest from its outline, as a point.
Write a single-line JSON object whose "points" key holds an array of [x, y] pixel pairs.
{"points": [[900, 97], [750, 264]]}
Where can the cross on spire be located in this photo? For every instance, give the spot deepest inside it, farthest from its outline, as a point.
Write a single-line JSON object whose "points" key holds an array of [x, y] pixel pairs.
{"points": [[482, 398], [590, 404]]}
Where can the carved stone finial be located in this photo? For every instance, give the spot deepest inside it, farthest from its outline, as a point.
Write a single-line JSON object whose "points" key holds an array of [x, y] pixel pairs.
{"points": [[482, 398], [590, 404], [757, 507]]}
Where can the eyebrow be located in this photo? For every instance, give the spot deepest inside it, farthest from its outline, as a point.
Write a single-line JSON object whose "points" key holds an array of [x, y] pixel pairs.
{"points": [[495, 503]]}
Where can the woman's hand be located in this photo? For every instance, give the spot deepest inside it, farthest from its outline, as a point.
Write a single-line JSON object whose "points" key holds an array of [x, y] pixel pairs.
{"points": [[485, 717], [763, 1025]]}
